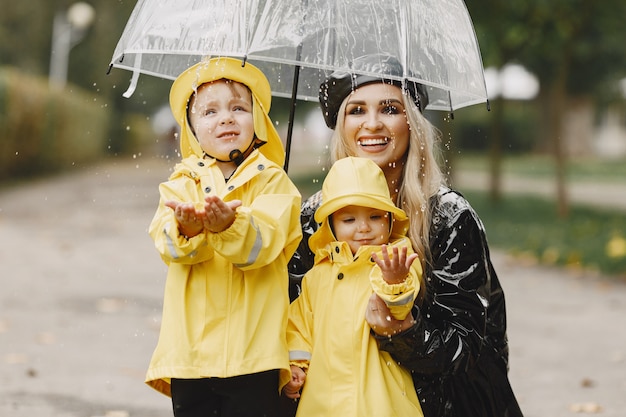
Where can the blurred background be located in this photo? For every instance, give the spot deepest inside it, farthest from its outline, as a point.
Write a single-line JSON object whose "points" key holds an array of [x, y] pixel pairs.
{"points": [[544, 164]]}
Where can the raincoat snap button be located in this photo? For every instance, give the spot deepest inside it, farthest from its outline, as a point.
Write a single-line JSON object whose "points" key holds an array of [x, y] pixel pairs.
{"points": [[200, 164], [260, 167], [340, 276], [337, 249], [207, 190], [231, 187]]}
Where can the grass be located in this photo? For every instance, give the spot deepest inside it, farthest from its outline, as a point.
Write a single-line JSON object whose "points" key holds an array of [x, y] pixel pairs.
{"points": [[542, 166], [593, 239], [589, 238]]}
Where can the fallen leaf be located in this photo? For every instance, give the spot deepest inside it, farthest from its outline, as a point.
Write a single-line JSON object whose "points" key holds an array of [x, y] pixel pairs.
{"points": [[15, 358], [117, 413], [589, 408], [46, 338], [109, 305], [587, 383]]}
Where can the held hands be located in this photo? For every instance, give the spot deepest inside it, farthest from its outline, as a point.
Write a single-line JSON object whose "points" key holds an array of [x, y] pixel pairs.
{"points": [[292, 389], [395, 268], [215, 216], [380, 320]]}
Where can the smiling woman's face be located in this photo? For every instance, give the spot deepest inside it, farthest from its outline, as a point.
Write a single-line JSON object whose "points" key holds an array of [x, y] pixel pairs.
{"points": [[376, 126]]}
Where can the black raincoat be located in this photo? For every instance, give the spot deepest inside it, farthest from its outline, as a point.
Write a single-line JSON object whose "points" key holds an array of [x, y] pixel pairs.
{"points": [[457, 351]]}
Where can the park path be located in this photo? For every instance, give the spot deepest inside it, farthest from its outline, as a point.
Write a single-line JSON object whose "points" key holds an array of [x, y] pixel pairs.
{"points": [[80, 304]]}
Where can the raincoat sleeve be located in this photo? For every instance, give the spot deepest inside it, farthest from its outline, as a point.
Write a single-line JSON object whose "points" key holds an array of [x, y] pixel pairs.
{"points": [[303, 258], [264, 229], [300, 328], [450, 326], [169, 242], [398, 297]]}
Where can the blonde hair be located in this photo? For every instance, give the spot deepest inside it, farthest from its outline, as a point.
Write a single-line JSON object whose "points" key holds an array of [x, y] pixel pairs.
{"points": [[421, 175]]}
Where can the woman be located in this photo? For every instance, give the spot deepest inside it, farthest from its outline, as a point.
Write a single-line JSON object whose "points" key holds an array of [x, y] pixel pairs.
{"points": [[455, 342]]}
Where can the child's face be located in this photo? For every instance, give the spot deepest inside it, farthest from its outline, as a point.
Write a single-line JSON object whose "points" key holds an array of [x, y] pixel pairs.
{"points": [[220, 114], [360, 226]]}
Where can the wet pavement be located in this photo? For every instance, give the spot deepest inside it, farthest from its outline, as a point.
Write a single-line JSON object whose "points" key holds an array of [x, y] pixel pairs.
{"points": [[81, 290]]}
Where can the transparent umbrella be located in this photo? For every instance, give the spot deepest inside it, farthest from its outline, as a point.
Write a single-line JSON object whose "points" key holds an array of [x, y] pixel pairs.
{"points": [[297, 43]]}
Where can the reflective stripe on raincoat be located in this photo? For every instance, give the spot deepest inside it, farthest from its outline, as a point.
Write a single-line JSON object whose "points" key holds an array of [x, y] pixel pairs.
{"points": [[226, 297]]}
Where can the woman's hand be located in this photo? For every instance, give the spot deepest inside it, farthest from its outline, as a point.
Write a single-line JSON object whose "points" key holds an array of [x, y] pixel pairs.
{"points": [[380, 320]]}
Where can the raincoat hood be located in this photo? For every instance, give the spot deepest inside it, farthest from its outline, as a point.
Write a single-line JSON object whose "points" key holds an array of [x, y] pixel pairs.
{"points": [[215, 69], [340, 84], [355, 181]]}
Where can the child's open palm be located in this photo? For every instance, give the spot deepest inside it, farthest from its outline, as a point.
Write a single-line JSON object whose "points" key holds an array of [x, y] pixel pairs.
{"points": [[219, 215], [215, 216], [396, 267]]}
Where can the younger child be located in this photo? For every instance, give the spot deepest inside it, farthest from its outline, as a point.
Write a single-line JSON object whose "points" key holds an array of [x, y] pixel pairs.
{"points": [[226, 226], [346, 375]]}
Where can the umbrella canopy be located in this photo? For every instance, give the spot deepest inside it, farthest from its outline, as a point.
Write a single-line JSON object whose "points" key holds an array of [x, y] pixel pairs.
{"points": [[433, 39], [297, 43]]}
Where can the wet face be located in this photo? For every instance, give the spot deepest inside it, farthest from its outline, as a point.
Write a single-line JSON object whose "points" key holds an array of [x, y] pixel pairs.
{"points": [[360, 226], [220, 114], [376, 126]]}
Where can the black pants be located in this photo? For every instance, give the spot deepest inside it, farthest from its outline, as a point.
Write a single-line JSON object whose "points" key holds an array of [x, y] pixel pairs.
{"points": [[254, 395]]}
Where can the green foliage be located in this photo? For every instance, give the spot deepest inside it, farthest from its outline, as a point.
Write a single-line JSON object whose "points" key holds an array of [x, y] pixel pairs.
{"points": [[46, 130], [584, 36], [592, 239], [471, 128]]}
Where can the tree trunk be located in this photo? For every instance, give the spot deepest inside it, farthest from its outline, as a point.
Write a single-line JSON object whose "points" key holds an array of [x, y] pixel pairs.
{"points": [[557, 102]]}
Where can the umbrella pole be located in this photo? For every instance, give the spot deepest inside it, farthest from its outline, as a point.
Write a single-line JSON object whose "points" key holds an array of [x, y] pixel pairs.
{"points": [[294, 95], [292, 114], [292, 110]]}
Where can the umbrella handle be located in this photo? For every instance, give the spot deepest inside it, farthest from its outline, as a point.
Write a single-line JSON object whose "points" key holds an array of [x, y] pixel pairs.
{"points": [[292, 112]]}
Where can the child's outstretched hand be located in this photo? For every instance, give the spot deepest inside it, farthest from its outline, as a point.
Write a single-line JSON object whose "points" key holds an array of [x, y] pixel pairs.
{"points": [[189, 218], [292, 389], [215, 216], [219, 215], [396, 267]]}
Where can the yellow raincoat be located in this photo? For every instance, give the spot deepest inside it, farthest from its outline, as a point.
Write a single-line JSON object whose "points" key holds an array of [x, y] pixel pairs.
{"points": [[226, 294], [347, 375]]}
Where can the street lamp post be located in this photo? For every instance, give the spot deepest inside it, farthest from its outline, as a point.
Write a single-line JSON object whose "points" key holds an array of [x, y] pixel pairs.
{"points": [[68, 30]]}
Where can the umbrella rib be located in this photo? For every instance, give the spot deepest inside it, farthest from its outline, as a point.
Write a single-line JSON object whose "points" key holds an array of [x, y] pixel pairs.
{"points": [[134, 79]]}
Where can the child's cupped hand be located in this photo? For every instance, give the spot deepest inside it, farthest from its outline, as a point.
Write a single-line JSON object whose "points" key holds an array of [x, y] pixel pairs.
{"points": [[219, 215], [188, 216], [215, 215]]}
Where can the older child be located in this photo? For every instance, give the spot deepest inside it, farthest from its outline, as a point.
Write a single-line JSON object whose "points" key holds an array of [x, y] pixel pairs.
{"points": [[346, 373], [226, 226]]}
